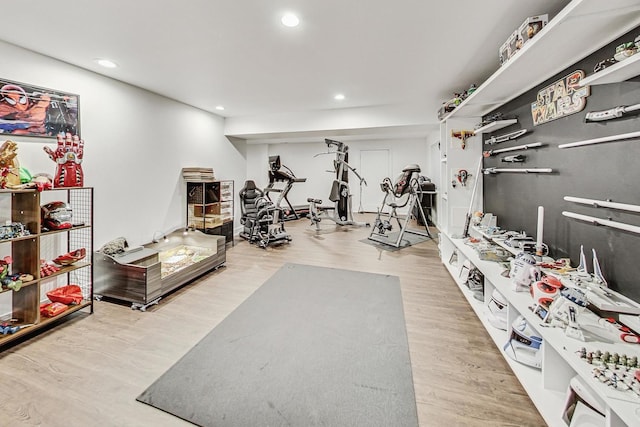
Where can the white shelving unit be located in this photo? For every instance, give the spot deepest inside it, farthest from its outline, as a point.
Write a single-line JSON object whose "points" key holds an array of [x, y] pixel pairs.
{"points": [[580, 29], [616, 73], [577, 31], [546, 387]]}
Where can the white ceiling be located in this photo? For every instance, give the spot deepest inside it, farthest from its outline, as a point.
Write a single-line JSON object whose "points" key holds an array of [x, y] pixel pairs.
{"points": [[410, 53]]}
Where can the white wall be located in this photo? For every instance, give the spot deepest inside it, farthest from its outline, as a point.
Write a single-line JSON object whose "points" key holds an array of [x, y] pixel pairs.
{"points": [[136, 144], [299, 157]]}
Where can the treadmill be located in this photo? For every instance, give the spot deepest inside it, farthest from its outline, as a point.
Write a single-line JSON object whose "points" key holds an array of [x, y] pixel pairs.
{"points": [[281, 179]]}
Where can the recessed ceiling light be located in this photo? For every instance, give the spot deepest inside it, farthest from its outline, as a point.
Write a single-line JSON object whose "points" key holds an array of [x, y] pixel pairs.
{"points": [[106, 63], [290, 20], [339, 97], [219, 108]]}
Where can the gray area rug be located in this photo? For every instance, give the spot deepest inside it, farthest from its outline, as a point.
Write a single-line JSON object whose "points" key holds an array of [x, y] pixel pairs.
{"points": [[312, 346], [408, 239]]}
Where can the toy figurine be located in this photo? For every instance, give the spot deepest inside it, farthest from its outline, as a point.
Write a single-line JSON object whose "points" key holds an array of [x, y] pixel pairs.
{"points": [[524, 272], [68, 157]]}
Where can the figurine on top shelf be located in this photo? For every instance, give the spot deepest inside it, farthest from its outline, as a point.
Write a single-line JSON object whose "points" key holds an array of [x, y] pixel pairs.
{"points": [[68, 157]]}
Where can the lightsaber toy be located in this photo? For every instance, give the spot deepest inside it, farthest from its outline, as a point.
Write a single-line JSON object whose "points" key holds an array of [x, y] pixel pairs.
{"points": [[604, 204], [539, 247], [599, 221], [506, 137], [517, 147], [600, 140], [613, 113], [488, 171]]}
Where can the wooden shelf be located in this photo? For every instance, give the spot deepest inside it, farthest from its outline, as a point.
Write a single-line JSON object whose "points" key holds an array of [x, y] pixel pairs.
{"points": [[494, 126], [616, 73], [580, 29], [44, 321]]}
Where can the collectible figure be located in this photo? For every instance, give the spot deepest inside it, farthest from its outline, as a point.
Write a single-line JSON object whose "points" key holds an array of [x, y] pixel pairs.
{"points": [[68, 157]]}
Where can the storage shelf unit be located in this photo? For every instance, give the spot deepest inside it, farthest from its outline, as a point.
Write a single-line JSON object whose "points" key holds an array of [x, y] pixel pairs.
{"points": [[210, 207], [23, 206], [580, 29], [546, 387]]}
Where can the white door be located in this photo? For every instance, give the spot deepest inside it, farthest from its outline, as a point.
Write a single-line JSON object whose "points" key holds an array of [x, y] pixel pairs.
{"points": [[374, 167]]}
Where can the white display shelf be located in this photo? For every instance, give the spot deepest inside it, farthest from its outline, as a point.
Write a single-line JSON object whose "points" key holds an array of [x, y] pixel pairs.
{"points": [[550, 404], [615, 73], [549, 401], [494, 126], [578, 30]]}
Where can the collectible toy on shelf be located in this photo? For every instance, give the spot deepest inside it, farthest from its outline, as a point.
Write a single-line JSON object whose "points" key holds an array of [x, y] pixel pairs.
{"points": [[9, 166], [544, 292], [56, 215], [450, 105], [620, 372], [71, 257], [496, 310], [529, 28], [625, 50], [524, 344], [524, 272], [68, 157], [13, 230]]}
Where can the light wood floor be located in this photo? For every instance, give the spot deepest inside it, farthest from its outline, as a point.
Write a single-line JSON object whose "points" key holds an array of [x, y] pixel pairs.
{"points": [[88, 371]]}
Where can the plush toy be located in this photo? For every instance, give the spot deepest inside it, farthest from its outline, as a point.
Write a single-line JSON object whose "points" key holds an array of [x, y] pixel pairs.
{"points": [[68, 157]]}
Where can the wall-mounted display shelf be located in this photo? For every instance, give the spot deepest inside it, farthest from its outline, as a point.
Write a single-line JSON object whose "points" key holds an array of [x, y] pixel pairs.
{"points": [[578, 30], [496, 125], [616, 73]]}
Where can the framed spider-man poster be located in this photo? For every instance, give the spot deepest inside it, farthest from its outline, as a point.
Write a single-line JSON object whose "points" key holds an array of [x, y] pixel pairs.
{"points": [[35, 111]]}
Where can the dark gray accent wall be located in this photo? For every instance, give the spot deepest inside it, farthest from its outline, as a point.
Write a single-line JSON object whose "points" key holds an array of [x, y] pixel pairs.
{"points": [[608, 171]]}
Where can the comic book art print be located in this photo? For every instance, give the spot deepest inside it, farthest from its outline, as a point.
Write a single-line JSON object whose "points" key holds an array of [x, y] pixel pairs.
{"points": [[561, 98], [35, 111]]}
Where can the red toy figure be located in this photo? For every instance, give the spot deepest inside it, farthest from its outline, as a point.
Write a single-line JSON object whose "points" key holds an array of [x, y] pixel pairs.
{"points": [[68, 157]]}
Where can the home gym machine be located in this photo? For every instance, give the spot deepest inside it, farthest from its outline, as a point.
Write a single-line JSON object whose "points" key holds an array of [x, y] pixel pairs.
{"points": [[280, 175], [341, 211], [405, 192], [261, 218]]}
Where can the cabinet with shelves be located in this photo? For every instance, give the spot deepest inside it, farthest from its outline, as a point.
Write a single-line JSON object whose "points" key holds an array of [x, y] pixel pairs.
{"points": [[210, 207], [21, 307]]}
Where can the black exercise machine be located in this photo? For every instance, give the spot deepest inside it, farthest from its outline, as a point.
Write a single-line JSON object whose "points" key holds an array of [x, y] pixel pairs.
{"points": [[261, 218], [341, 211], [280, 174], [405, 192]]}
